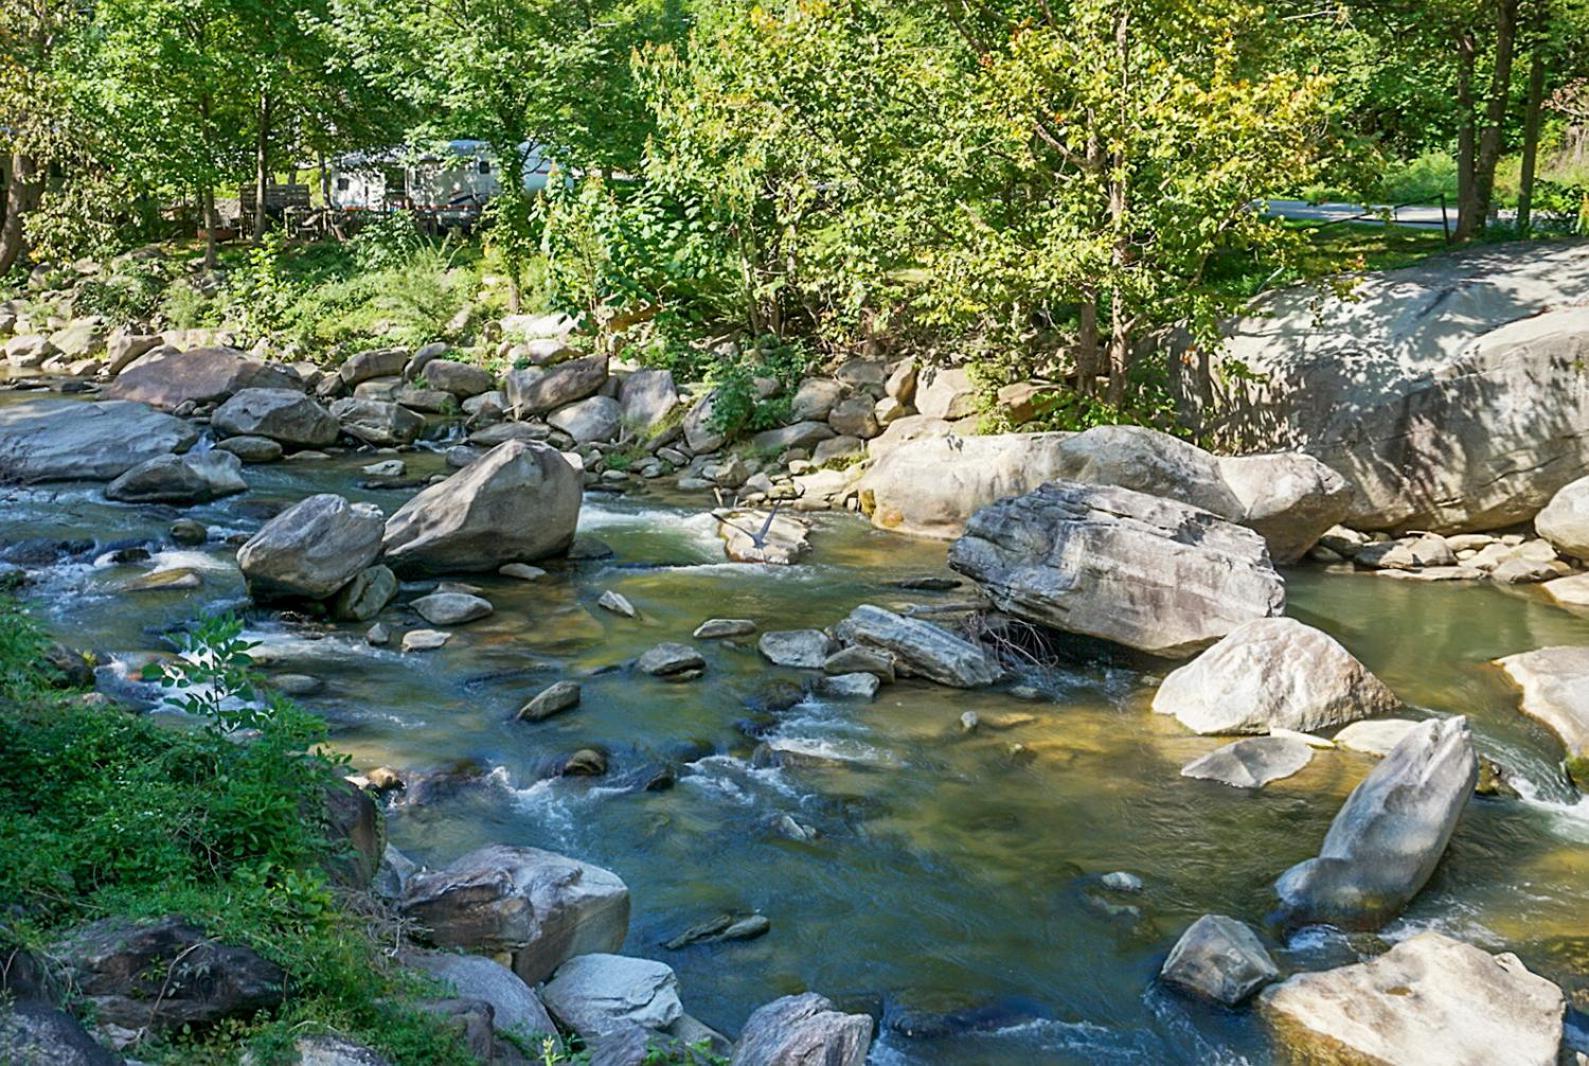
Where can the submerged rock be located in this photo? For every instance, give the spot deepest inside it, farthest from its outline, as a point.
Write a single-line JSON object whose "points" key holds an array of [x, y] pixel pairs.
{"points": [[1430, 999], [1273, 673], [552, 700], [1388, 837], [723, 927], [517, 503], [1150, 573], [1251, 763], [803, 1030], [1220, 959], [311, 549], [540, 907], [921, 648]]}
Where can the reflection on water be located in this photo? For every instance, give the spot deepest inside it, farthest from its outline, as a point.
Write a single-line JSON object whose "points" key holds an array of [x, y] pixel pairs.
{"points": [[945, 881]]}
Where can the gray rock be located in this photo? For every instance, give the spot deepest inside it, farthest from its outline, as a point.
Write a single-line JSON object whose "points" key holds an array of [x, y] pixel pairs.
{"points": [[252, 449], [375, 363], [1289, 499], [803, 1030], [124, 347], [857, 686], [648, 398], [366, 596], [377, 422], [1273, 673], [325, 1049], [283, 415], [723, 927], [1449, 393], [28, 352], [1108, 562], [1121, 881], [1389, 835], [203, 375], [452, 608], [36, 1033], [538, 390], [718, 628], [1430, 999], [1564, 522], [854, 418], [1376, 736], [799, 435], [516, 1009], [192, 478], [1145, 460], [459, 379], [554, 699], [806, 649], [163, 974], [921, 648], [700, 434], [1251, 763], [814, 399], [931, 485], [861, 659], [67, 440], [540, 907], [311, 549], [1555, 684], [595, 419], [600, 994], [517, 503], [1408, 553], [948, 393], [1220, 959], [617, 603], [763, 537], [670, 660], [425, 640]]}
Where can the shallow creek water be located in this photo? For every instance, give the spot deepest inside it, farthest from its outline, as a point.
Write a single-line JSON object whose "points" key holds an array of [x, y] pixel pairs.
{"points": [[947, 876]]}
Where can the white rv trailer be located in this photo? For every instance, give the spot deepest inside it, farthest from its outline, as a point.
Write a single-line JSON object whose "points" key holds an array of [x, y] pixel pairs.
{"points": [[452, 187], [367, 181]]}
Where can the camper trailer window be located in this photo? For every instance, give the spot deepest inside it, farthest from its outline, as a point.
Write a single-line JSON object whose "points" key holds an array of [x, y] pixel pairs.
{"points": [[344, 184], [485, 166]]}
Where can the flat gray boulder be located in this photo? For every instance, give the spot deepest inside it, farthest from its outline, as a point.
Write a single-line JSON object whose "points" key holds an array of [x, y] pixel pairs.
{"points": [[931, 485], [1555, 684], [192, 478], [68, 440], [1273, 673], [803, 1030], [452, 608], [1450, 394], [1388, 837], [1565, 520], [377, 422], [203, 375], [1430, 999], [805, 649], [461, 379], [920, 648], [537, 906], [600, 994], [538, 390], [1251, 763], [286, 416], [1220, 959], [1153, 574], [595, 419], [311, 549], [517, 503], [1288, 498], [1145, 460]]}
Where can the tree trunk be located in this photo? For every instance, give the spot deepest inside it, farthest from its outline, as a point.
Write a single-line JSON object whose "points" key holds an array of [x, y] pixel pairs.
{"points": [[22, 196], [1531, 123], [1495, 108], [262, 165], [1120, 227], [1087, 345], [1467, 142], [212, 257]]}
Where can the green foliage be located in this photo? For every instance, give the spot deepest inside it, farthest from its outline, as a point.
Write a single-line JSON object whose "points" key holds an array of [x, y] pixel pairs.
{"points": [[129, 295], [259, 294], [388, 242], [737, 406]]}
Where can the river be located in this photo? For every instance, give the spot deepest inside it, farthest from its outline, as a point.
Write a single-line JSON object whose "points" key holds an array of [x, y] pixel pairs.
{"points": [[953, 881]]}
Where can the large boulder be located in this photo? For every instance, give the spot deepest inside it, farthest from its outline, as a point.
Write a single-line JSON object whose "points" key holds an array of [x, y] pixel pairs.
{"points": [[460, 379], [66, 440], [283, 415], [921, 648], [948, 393], [1555, 684], [374, 363], [311, 549], [36, 1033], [192, 478], [1430, 999], [1135, 457], [517, 503], [1565, 520], [930, 485], [1273, 673], [517, 1009], [599, 994], [537, 390], [1387, 838], [649, 399], [803, 1030], [1220, 959], [1450, 394], [203, 375], [1108, 562], [596, 419], [539, 907], [1289, 498], [377, 422], [165, 974]]}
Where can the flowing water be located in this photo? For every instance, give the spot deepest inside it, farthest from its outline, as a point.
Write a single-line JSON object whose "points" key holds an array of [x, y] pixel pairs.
{"points": [[952, 883]]}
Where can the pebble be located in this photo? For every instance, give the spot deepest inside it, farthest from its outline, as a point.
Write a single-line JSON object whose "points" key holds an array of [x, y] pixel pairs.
{"points": [[378, 635], [521, 571], [717, 628], [424, 639]]}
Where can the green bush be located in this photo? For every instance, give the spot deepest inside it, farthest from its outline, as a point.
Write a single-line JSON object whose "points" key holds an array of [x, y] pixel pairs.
{"points": [[127, 296]]}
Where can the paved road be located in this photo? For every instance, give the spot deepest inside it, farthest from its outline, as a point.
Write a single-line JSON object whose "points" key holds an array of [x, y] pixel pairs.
{"points": [[1419, 217]]}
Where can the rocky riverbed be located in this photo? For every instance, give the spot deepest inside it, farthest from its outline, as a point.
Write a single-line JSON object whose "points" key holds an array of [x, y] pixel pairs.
{"points": [[991, 856]]}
